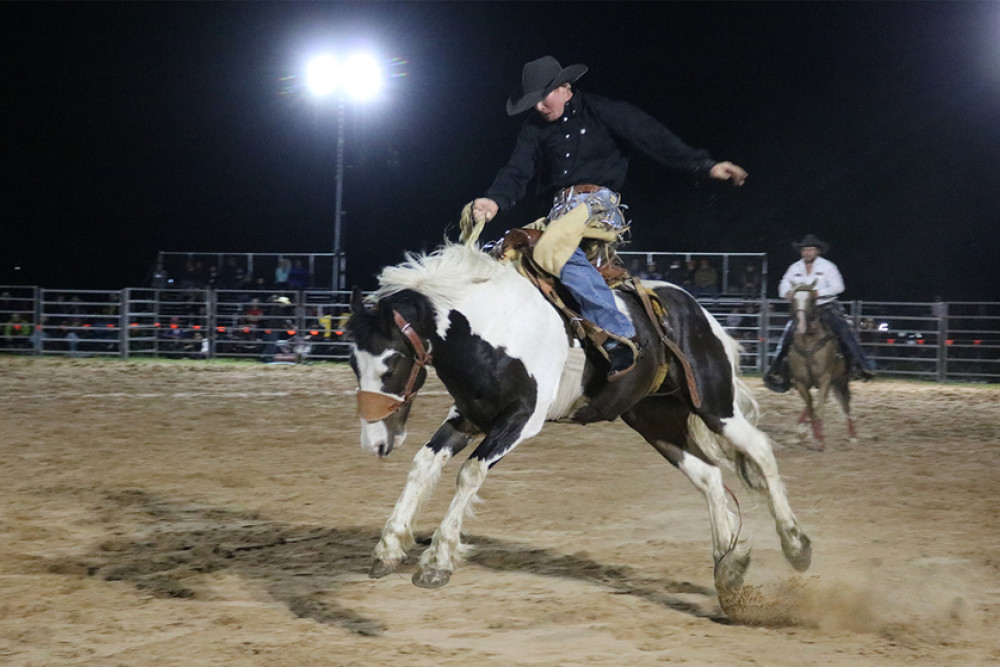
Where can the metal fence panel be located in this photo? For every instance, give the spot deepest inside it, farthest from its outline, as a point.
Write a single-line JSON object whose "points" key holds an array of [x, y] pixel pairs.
{"points": [[944, 342]]}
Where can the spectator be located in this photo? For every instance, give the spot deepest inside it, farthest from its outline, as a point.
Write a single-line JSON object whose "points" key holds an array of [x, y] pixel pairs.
{"points": [[160, 277], [282, 273], [734, 320], [280, 319], [690, 267], [253, 313], [676, 272], [651, 272], [706, 280], [298, 277], [233, 275], [750, 282], [16, 332], [213, 277]]}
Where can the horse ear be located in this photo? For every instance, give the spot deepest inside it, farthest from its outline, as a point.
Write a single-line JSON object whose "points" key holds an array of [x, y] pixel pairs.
{"points": [[357, 301]]}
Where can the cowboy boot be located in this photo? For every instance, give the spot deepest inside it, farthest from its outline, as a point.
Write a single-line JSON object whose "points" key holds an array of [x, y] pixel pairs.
{"points": [[777, 378], [621, 361]]}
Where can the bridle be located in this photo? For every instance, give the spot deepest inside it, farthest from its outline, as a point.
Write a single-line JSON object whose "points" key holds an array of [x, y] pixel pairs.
{"points": [[374, 406]]}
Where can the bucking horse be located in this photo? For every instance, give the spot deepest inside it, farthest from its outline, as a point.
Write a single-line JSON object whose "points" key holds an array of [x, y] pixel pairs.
{"points": [[505, 356]]}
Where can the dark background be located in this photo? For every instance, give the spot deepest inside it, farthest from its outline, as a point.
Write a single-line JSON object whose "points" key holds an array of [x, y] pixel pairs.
{"points": [[130, 128]]}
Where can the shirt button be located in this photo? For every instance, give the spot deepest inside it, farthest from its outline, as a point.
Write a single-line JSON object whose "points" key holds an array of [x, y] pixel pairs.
{"points": [[567, 136], [583, 130], [567, 154], [565, 171]]}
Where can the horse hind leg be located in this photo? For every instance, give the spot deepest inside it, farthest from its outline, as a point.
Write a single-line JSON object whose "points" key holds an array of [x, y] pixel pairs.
{"points": [[661, 427], [759, 468], [397, 535]]}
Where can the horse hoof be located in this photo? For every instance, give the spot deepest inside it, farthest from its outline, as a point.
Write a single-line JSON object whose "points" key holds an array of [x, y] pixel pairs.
{"points": [[381, 568], [729, 571], [431, 578], [798, 553]]}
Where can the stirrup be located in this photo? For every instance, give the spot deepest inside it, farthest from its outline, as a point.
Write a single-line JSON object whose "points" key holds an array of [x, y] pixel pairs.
{"points": [[622, 360], [777, 382]]}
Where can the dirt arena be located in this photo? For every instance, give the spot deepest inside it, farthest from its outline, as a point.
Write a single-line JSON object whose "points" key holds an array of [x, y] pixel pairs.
{"points": [[197, 514]]}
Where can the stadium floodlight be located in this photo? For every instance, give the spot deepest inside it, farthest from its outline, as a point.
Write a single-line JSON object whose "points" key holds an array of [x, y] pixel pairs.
{"points": [[358, 77], [362, 76], [323, 75]]}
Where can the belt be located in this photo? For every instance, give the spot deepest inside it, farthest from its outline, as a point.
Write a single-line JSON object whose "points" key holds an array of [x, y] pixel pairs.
{"points": [[581, 189]]}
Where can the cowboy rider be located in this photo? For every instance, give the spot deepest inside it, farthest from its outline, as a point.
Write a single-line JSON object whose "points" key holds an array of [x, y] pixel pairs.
{"points": [[829, 283], [578, 145]]}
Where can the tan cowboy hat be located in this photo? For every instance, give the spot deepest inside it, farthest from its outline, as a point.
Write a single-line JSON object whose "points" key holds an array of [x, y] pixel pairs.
{"points": [[538, 79], [812, 241]]}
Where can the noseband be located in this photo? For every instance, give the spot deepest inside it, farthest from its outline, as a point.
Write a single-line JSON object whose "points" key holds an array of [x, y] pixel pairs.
{"points": [[375, 406]]}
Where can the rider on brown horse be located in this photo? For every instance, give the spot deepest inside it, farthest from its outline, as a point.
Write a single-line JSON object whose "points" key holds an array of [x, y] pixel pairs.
{"points": [[829, 283]]}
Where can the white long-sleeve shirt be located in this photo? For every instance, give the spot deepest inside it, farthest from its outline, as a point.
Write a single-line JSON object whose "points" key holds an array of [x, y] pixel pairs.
{"points": [[829, 282]]}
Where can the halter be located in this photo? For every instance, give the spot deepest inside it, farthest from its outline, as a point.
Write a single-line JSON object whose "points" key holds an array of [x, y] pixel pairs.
{"points": [[375, 406]]}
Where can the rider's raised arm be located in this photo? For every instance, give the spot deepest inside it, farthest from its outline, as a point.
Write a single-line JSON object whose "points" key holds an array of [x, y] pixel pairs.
{"points": [[511, 182]]}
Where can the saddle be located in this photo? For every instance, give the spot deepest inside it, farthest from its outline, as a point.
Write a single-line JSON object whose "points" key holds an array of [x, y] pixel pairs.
{"points": [[518, 245]]}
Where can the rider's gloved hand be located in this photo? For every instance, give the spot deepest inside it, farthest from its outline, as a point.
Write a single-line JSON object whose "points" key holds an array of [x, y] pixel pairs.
{"points": [[484, 210]]}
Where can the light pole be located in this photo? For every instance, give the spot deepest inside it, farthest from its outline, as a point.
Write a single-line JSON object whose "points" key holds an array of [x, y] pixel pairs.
{"points": [[360, 78]]}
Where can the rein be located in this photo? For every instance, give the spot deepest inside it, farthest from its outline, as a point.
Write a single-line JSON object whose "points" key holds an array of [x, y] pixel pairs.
{"points": [[374, 406]]}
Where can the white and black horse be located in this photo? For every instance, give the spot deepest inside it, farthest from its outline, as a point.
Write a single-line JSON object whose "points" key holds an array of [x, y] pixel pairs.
{"points": [[503, 353]]}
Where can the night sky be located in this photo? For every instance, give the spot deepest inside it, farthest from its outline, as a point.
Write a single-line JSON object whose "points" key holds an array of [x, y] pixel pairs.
{"points": [[130, 128]]}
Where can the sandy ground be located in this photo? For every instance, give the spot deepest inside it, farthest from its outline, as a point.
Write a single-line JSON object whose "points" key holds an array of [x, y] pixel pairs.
{"points": [[198, 514]]}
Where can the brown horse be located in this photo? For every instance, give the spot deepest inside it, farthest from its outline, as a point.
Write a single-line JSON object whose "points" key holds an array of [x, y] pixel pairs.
{"points": [[815, 361]]}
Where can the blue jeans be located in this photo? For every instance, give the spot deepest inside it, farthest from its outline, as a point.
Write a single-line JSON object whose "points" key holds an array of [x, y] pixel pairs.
{"points": [[597, 301]]}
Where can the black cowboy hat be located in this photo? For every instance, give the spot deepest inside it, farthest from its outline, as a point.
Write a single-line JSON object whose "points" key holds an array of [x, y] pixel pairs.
{"points": [[812, 241], [538, 79]]}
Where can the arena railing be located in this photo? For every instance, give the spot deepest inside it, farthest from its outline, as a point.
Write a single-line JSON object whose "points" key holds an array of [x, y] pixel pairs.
{"points": [[939, 341]]}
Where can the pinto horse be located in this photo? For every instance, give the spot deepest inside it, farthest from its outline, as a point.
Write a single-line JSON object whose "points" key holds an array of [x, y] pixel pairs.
{"points": [[503, 353], [815, 361]]}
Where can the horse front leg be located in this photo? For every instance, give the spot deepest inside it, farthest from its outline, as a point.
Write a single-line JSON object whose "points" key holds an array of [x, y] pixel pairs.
{"points": [[397, 535], [437, 563], [842, 392], [807, 420], [819, 412]]}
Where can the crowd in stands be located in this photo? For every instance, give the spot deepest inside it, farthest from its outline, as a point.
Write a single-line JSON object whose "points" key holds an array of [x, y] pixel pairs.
{"points": [[193, 273], [253, 309], [700, 277]]}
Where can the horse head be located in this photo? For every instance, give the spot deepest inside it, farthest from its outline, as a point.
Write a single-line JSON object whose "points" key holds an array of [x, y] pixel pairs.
{"points": [[389, 359], [803, 303]]}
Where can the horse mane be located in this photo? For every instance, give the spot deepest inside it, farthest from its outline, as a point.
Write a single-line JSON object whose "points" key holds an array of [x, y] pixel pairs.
{"points": [[443, 276]]}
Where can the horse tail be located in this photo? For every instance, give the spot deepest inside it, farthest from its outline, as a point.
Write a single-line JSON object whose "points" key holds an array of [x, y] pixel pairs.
{"points": [[714, 445]]}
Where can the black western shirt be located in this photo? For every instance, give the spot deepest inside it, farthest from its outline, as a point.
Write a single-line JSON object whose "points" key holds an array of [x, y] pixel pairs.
{"points": [[590, 143]]}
